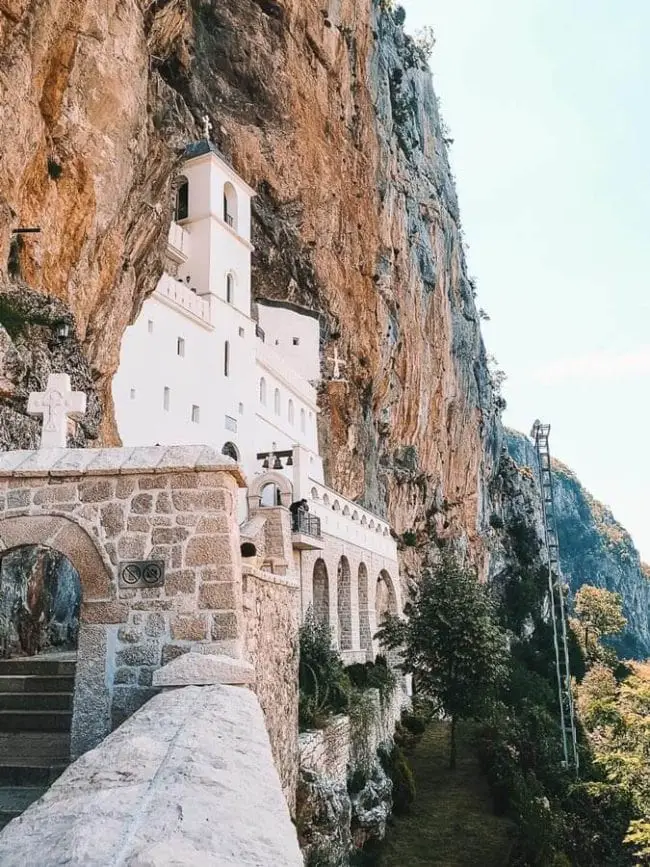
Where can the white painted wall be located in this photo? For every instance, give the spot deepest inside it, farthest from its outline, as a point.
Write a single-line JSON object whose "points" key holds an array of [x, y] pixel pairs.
{"points": [[283, 327]]}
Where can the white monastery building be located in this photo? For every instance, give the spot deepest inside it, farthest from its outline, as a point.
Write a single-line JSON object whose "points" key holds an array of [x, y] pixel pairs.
{"points": [[203, 364]]}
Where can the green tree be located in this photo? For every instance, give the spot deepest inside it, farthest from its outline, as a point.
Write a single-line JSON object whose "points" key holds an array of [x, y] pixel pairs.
{"points": [[451, 642], [600, 613]]}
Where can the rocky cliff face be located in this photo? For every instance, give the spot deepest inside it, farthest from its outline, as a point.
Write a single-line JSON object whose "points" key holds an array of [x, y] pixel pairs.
{"points": [[327, 110], [595, 548]]}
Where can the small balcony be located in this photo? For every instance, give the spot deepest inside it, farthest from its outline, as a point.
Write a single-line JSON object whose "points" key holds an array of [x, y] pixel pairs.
{"points": [[178, 243], [306, 532]]}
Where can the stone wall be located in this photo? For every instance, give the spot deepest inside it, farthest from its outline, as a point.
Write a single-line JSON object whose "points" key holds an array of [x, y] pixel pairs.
{"points": [[188, 780], [343, 747], [344, 795], [100, 507], [271, 629]]}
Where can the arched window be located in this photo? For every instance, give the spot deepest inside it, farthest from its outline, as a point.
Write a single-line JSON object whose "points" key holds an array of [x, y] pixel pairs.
{"points": [[182, 206], [290, 413], [276, 401], [303, 420], [230, 451], [230, 205], [314, 493], [263, 391], [230, 289], [226, 358]]}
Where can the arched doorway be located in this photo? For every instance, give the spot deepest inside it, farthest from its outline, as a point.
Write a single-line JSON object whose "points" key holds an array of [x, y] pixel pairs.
{"points": [[344, 604], [365, 632], [321, 592], [385, 597], [40, 599]]}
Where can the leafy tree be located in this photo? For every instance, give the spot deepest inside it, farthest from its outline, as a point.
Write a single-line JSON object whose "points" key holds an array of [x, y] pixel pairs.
{"points": [[600, 612], [451, 642]]}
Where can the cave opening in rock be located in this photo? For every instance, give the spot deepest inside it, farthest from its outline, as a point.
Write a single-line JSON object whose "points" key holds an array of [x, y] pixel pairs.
{"points": [[40, 598]]}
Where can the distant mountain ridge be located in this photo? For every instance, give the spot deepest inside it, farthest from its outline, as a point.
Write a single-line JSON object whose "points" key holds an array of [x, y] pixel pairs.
{"points": [[595, 548]]}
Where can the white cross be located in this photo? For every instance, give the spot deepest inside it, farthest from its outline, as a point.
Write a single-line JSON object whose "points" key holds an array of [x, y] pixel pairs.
{"points": [[207, 126], [55, 404], [338, 364]]}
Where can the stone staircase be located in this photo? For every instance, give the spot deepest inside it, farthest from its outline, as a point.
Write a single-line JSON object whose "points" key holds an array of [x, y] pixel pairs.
{"points": [[35, 717]]}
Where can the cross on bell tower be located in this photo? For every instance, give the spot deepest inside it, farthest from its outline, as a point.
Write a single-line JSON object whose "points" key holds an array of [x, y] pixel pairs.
{"points": [[56, 404]]}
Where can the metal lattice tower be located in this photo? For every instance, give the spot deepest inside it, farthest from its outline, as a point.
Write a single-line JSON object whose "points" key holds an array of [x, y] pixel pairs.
{"points": [[556, 589]]}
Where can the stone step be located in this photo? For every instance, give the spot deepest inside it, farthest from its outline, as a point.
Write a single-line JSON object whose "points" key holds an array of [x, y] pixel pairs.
{"points": [[43, 701], [30, 774], [35, 683], [35, 720], [14, 800], [42, 666], [34, 748]]}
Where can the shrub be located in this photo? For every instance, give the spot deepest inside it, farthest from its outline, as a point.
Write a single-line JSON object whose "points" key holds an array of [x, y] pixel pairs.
{"points": [[324, 685], [397, 767], [409, 538], [54, 169], [413, 723], [399, 16], [372, 675]]}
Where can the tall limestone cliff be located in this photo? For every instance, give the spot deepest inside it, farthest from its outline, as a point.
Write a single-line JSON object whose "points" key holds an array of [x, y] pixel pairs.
{"points": [[595, 548], [327, 109]]}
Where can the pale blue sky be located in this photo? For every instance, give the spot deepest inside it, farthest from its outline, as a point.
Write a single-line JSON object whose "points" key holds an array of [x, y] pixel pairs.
{"points": [[547, 101]]}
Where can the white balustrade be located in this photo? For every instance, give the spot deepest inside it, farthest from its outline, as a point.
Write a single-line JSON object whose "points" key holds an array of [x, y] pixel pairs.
{"points": [[348, 521], [179, 294]]}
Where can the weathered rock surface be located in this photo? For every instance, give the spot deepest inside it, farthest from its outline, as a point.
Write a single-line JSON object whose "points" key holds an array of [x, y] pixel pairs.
{"points": [[595, 548], [329, 112], [188, 780]]}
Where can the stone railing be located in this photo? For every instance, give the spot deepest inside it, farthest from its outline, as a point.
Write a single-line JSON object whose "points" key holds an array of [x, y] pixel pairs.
{"points": [[348, 521], [188, 780], [178, 294]]}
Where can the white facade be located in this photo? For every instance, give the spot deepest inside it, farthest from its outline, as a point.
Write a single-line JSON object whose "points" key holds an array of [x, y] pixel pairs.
{"points": [[197, 368]]}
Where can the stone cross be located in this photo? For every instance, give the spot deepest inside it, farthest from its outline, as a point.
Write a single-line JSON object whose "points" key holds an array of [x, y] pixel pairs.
{"points": [[207, 126], [338, 364], [55, 404]]}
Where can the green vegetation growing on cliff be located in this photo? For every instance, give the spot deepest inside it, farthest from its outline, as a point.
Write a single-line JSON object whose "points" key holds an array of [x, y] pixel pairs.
{"points": [[558, 820]]}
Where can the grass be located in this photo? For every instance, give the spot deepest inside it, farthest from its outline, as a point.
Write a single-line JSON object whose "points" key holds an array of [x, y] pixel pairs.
{"points": [[451, 823]]}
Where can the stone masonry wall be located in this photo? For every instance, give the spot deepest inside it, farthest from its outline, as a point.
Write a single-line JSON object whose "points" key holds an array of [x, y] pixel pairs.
{"points": [[271, 630], [338, 750], [100, 507]]}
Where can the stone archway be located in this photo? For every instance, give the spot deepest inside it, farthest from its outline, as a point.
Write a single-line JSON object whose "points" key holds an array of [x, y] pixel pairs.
{"points": [[321, 592], [91, 719], [344, 604], [365, 631], [385, 597]]}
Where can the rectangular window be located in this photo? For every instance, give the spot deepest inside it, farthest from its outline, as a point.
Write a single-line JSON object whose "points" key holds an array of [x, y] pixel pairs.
{"points": [[226, 359], [166, 398], [180, 347], [196, 412], [132, 394], [231, 423], [150, 326], [241, 409], [296, 341], [241, 332]]}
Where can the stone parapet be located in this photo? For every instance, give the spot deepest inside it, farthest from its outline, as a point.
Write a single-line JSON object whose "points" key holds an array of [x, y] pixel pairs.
{"points": [[188, 780]]}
